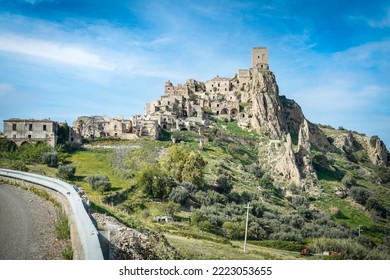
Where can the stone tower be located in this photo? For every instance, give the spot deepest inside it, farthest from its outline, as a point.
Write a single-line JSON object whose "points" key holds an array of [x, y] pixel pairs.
{"points": [[260, 57]]}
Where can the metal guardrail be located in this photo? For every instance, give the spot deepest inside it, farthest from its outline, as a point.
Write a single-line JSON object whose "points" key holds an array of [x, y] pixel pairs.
{"points": [[88, 234]]}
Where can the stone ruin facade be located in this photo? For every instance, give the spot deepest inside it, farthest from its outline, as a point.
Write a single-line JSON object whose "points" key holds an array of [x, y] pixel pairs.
{"points": [[185, 106], [22, 131], [118, 127]]}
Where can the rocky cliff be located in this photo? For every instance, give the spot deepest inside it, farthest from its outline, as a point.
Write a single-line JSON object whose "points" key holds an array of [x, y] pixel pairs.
{"points": [[289, 153]]}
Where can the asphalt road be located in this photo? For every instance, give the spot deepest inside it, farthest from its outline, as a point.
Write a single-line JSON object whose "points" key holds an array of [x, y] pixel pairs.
{"points": [[27, 229]]}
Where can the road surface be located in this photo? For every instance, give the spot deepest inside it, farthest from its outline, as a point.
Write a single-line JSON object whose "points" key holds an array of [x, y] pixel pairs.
{"points": [[27, 229]]}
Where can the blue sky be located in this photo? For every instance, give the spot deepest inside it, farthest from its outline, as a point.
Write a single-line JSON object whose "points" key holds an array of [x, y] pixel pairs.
{"points": [[66, 58]]}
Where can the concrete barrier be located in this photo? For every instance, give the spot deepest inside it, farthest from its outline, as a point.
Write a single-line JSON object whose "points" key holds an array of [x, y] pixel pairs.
{"points": [[88, 234]]}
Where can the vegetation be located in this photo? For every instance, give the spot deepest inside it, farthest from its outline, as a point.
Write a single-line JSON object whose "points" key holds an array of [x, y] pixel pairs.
{"points": [[66, 171], [99, 182], [206, 189]]}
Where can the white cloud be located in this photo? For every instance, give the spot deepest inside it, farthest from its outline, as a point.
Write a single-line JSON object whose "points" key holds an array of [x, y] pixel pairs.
{"points": [[375, 53], [57, 52]]}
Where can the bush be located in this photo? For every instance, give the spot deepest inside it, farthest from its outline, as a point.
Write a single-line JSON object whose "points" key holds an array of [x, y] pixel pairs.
{"points": [[234, 230], [50, 158], [171, 208], [209, 198], [19, 165], [66, 171], [360, 194], [373, 140], [29, 153], [348, 180], [179, 195], [297, 201], [7, 146], [256, 170], [224, 184], [348, 249], [99, 182]]}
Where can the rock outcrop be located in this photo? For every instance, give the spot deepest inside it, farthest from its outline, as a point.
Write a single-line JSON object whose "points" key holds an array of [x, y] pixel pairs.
{"points": [[267, 108]]}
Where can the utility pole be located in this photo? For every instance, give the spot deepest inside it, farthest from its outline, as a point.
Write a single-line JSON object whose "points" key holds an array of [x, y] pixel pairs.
{"points": [[246, 225], [360, 230]]}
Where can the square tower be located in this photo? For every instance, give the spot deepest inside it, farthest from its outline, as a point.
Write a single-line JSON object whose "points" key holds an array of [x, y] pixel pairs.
{"points": [[260, 57]]}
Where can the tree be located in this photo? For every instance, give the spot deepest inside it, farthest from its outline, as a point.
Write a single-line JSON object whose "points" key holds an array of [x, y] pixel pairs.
{"points": [[193, 169], [183, 166], [173, 162], [154, 182], [63, 134]]}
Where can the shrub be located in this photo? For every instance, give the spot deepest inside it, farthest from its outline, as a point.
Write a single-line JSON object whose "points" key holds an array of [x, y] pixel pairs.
{"points": [[19, 165], [7, 145], [360, 194], [373, 140], [348, 180], [191, 188], [297, 201], [179, 195], [348, 249], [50, 158], [210, 197], [224, 184], [256, 170], [29, 153], [66, 171], [234, 230], [197, 217], [171, 208], [99, 182]]}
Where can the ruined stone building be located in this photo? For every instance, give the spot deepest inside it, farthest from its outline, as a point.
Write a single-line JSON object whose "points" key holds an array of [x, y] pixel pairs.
{"points": [[184, 106], [31, 131]]}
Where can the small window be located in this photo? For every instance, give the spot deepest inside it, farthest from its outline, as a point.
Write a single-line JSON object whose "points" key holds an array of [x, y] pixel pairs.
{"points": [[29, 136], [30, 127], [44, 127], [14, 127], [115, 127]]}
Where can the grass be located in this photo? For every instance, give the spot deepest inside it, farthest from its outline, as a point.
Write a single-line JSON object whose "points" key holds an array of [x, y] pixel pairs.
{"points": [[198, 249], [352, 216], [62, 225]]}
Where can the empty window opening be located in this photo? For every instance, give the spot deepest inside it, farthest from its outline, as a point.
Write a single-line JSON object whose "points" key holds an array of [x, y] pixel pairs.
{"points": [[29, 136], [30, 126], [44, 127], [14, 126]]}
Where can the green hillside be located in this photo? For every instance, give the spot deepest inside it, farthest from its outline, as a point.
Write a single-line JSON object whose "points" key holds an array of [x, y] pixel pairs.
{"points": [[205, 188]]}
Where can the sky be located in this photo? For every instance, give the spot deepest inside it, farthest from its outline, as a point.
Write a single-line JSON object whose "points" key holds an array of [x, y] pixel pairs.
{"points": [[61, 59]]}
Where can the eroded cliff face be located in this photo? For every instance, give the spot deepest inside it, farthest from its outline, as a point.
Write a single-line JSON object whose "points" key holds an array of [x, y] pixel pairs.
{"points": [[288, 154], [267, 108]]}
